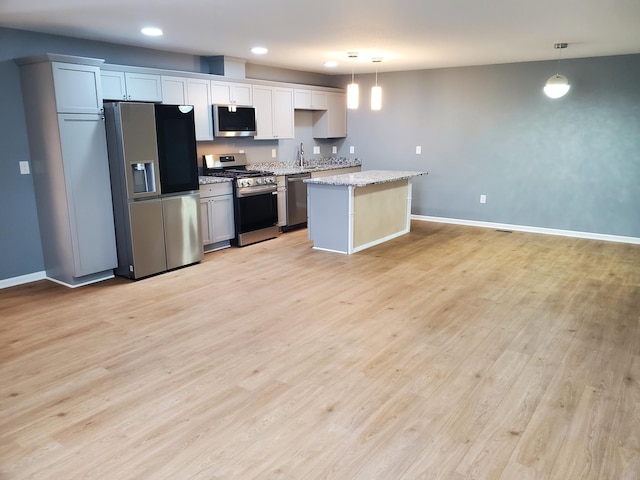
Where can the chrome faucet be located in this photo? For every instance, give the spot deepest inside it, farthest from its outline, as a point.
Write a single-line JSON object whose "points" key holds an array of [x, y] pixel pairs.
{"points": [[301, 155]]}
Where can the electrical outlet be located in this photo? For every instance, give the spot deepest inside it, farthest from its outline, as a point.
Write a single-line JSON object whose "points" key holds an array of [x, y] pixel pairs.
{"points": [[418, 150], [24, 168], [483, 199], [334, 149], [316, 150], [352, 149], [273, 153], [241, 151]]}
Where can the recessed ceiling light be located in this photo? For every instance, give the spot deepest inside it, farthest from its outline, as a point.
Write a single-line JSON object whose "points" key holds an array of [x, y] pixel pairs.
{"points": [[330, 64], [151, 31], [259, 50]]}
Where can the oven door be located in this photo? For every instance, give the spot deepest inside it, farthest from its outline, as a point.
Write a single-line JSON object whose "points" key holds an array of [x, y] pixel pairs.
{"points": [[256, 213]]}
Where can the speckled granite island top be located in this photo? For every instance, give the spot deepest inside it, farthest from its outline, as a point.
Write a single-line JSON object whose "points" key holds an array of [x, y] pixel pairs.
{"points": [[362, 179]]}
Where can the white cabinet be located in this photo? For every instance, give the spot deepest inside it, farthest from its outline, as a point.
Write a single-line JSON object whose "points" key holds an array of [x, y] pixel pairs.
{"points": [[174, 90], [331, 123], [142, 87], [310, 99], [88, 191], [77, 88], [70, 168], [274, 112], [216, 214], [229, 93], [199, 95]]}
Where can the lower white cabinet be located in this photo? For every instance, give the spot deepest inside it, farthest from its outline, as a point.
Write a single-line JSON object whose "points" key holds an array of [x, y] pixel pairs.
{"points": [[216, 214]]}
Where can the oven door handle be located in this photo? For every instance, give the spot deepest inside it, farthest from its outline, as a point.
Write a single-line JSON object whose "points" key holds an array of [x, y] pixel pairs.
{"points": [[257, 191]]}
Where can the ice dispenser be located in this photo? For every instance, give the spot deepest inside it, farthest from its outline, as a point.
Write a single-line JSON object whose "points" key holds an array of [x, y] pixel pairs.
{"points": [[143, 178]]}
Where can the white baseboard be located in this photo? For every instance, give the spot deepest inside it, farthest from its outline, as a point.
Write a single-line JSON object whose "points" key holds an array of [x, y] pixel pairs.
{"points": [[524, 228], [22, 279]]}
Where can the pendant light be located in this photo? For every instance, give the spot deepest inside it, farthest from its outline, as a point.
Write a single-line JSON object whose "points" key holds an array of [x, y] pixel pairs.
{"points": [[352, 89], [376, 91], [558, 85]]}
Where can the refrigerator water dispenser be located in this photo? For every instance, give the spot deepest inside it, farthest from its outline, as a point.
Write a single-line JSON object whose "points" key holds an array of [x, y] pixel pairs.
{"points": [[143, 179]]}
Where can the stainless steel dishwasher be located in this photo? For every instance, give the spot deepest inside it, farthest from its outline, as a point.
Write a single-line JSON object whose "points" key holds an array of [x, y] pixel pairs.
{"points": [[297, 200]]}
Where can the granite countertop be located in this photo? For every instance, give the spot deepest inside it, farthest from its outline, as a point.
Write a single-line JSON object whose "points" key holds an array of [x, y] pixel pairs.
{"points": [[312, 165], [204, 180], [362, 179]]}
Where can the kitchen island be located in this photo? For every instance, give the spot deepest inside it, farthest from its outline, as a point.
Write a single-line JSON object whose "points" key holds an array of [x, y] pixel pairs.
{"points": [[354, 211]]}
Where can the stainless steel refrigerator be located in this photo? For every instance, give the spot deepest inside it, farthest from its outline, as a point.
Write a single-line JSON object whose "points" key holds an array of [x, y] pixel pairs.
{"points": [[154, 183]]}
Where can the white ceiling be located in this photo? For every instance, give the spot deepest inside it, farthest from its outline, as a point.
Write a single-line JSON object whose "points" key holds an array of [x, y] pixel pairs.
{"points": [[303, 34]]}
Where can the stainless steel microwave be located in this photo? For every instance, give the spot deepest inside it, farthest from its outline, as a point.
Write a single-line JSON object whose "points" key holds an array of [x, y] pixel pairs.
{"points": [[234, 121]]}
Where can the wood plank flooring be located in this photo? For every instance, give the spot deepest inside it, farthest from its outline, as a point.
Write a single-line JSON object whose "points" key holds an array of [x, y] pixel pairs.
{"points": [[449, 353]]}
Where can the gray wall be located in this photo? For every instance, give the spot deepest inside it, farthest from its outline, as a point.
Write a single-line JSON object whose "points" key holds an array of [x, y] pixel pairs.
{"points": [[571, 163]]}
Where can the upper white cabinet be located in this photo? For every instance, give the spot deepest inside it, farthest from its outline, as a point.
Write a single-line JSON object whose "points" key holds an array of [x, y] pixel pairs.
{"points": [[77, 88], [310, 99], [228, 93], [331, 123], [199, 95], [274, 112], [174, 90], [142, 87]]}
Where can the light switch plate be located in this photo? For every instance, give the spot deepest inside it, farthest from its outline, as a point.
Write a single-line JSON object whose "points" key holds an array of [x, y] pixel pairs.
{"points": [[418, 150], [316, 150], [24, 168], [334, 149], [483, 199], [352, 149], [273, 153]]}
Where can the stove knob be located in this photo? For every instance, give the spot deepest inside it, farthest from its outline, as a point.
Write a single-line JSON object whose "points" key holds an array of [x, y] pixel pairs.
{"points": [[259, 181]]}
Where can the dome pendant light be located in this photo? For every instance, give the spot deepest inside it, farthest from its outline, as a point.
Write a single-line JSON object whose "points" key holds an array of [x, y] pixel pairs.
{"points": [[558, 85], [352, 89], [376, 91]]}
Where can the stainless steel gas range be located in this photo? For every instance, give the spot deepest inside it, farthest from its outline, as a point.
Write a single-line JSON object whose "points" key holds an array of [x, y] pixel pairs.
{"points": [[255, 197]]}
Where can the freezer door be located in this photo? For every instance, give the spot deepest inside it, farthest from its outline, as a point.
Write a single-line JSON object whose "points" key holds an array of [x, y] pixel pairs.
{"points": [[147, 238], [182, 230]]}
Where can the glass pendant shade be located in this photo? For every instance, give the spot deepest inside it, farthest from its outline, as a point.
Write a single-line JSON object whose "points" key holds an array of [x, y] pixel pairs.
{"points": [[557, 86], [352, 96], [376, 98]]}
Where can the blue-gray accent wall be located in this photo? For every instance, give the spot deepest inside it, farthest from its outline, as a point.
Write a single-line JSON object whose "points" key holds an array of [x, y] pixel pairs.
{"points": [[572, 163]]}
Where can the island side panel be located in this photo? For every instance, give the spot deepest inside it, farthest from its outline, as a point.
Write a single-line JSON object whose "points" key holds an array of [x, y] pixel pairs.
{"points": [[329, 216], [380, 213]]}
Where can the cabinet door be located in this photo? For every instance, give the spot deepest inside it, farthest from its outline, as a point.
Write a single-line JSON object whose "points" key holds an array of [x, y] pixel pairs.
{"points": [[204, 221], [174, 90], [263, 102], [241, 94], [199, 95], [220, 93], [113, 85], [143, 87], [222, 227], [283, 113], [77, 88], [88, 190]]}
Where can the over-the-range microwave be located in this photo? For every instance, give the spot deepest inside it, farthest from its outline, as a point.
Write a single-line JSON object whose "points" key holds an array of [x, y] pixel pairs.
{"points": [[233, 121]]}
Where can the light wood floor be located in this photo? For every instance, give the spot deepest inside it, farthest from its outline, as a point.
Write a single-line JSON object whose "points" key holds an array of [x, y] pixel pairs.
{"points": [[450, 353]]}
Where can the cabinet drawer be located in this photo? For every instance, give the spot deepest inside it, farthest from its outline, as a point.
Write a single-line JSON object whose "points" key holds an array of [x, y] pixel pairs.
{"points": [[215, 189]]}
